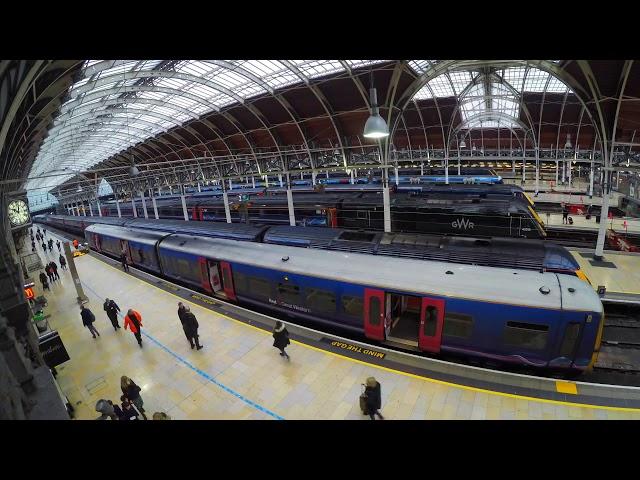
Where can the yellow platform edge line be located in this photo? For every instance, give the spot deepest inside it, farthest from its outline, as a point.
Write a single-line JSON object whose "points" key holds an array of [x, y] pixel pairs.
{"points": [[398, 372]]}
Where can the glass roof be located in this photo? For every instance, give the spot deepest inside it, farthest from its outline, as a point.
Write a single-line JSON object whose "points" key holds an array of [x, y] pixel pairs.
{"points": [[119, 103]]}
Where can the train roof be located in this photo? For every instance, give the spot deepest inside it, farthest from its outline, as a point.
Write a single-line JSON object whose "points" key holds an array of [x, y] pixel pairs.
{"points": [[238, 231], [497, 252], [138, 235], [515, 287]]}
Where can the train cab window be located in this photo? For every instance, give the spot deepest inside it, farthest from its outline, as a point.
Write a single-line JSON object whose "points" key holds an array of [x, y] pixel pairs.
{"points": [[288, 293], [571, 334], [527, 335], [430, 321], [374, 311], [240, 282], [352, 306], [321, 300], [457, 325], [259, 287]]}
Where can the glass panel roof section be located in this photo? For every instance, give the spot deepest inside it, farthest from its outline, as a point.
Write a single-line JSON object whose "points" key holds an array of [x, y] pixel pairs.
{"points": [[150, 96]]}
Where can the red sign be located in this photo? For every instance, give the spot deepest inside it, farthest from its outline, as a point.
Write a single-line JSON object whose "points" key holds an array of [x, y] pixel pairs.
{"points": [[28, 291]]}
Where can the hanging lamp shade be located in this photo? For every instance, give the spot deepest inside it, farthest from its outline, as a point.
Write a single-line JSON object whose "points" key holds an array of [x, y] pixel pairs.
{"points": [[375, 127], [568, 143], [462, 143]]}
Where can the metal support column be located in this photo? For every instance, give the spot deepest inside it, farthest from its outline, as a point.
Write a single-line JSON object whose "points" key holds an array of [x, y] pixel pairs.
{"points": [[280, 180], [314, 174], [353, 177], [591, 175], [155, 207], [184, 204], [604, 214], [253, 182], [537, 170], [82, 298], [118, 206], [225, 199], [84, 210], [421, 168], [144, 205], [557, 168], [199, 189], [230, 185], [99, 207], [395, 171], [133, 206], [386, 203], [292, 213]]}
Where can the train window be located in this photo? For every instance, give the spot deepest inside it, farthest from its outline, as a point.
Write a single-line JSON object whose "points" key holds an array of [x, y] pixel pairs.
{"points": [[288, 293], [352, 306], [357, 236], [458, 325], [527, 335], [240, 281], [571, 334], [374, 311], [259, 287], [226, 278], [321, 300], [430, 321]]}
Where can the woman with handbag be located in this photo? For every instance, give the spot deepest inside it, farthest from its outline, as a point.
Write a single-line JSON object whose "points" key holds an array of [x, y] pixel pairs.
{"points": [[132, 393], [281, 339], [373, 393]]}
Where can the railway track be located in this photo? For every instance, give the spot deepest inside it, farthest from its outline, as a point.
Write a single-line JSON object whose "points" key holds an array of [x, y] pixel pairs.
{"points": [[618, 362]]}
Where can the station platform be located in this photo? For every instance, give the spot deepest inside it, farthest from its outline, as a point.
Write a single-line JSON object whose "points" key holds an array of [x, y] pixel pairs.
{"points": [[579, 221], [619, 272], [239, 375]]}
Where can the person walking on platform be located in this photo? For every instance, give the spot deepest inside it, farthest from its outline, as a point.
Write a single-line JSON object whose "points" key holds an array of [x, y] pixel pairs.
{"points": [[190, 326], [58, 245], [373, 393], [87, 320], [132, 393], [281, 339], [44, 232], [45, 283], [63, 262], [44, 246], [123, 259], [133, 320], [75, 243], [50, 243], [112, 310], [54, 269], [49, 271], [565, 213]]}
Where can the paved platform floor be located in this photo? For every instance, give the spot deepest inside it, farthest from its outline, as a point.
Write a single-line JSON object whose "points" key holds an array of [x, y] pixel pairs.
{"points": [[620, 271], [238, 374]]}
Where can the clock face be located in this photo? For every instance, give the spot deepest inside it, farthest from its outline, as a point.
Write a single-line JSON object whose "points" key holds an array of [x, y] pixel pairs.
{"points": [[18, 213]]}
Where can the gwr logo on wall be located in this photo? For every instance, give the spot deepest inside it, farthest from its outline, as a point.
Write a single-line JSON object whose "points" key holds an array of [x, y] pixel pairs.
{"points": [[462, 223]]}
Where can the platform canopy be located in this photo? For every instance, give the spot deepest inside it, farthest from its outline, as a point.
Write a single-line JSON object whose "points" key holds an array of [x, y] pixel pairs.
{"points": [[184, 121]]}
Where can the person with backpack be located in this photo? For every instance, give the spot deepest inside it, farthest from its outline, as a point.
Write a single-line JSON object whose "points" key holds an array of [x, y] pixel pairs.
{"points": [[281, 339], [112, 310], [63, 262], [133, 321], [87, 320], [131, 392]]}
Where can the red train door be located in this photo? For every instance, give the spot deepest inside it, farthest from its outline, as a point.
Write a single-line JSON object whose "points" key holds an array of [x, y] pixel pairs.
{"points": [[374, 313], [204, 274], [431, 323], [227, 281], [97, 242]]}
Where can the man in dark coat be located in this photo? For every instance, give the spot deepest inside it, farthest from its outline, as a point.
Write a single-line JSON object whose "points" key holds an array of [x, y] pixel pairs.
{"points": [[373, 392], [123, 259], [44, 246], [58, 244], [63, 262], [87, 320], [112, 310], [190, 326], [54, 269], [43, 279], [281, 339], [49, 272]]}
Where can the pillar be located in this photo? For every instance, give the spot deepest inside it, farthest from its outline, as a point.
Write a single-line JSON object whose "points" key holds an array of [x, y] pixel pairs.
{"points": [[280, 180], [144, 205], [199, 189], [395, 172], [184, 206], [591, 175], [537, 170], [155, 207], [569, 165], [557, 171], [133, 206], [446, 179], [253, 182], [230, 185], [292, 214], [84, 210], [118, 207], [99, 207], [421, 168], [524, 169], [227, 212], [386, 204], [170, 190], [353, 177], [313, 177], [90, 208], [327, 173], [604, 214]]}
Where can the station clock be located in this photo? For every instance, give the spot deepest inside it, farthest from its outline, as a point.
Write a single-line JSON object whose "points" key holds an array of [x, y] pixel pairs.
{"points": [[18, 213]]}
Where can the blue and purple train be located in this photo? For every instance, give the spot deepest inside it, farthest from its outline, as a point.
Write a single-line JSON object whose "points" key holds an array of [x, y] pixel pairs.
{"points": [[549, 320]]}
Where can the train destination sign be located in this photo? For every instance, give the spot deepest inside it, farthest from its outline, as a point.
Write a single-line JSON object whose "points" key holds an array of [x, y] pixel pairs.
{"points": [[354, 348]]}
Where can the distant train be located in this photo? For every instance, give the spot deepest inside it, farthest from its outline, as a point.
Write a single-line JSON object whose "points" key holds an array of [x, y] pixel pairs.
{"points": [[503, 211], [523, 317]]}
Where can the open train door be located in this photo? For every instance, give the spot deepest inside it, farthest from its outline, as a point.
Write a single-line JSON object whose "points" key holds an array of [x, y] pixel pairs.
{"points": [[227, 281], [431, 322], [374, 313], [214, 277]]}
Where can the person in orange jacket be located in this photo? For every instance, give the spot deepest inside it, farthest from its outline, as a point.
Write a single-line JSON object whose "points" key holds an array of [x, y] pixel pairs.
{"points": [[133, 320], [75, 243]]}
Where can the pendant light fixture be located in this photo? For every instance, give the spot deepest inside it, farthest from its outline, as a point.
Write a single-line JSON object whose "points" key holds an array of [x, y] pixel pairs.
{"points": [[375, 127], [568, 145]]}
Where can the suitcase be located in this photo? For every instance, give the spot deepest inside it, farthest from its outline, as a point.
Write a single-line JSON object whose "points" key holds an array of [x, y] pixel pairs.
{"points": [[363, 403]]}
